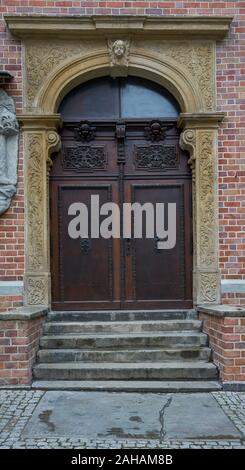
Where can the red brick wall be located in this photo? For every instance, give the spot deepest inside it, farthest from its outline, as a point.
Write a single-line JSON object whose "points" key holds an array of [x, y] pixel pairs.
{"points": [[233, 299], [19, 341], [227, 340], [10, 302], [231, 99]]}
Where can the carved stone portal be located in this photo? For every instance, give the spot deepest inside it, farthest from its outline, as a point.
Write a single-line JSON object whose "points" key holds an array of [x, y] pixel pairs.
{"points": [[54, 65], [9, 130]]}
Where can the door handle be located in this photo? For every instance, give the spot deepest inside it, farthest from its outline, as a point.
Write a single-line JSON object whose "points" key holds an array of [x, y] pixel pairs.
{"points": [[86, 245], [156, 240], [128, 246]]}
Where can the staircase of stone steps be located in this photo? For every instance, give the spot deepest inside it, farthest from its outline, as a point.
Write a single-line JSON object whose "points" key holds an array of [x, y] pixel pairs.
{"points": [[125, 350]]}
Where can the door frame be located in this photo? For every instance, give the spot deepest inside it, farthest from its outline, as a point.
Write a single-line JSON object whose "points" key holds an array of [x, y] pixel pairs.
{"points": [[167, 61]]}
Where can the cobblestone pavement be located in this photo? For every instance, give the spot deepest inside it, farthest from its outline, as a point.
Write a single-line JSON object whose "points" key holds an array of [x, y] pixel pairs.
{"points": [[17, 406]]}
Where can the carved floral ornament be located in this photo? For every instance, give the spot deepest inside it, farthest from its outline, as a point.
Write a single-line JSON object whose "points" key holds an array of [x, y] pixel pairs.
{"points": [[36, 290]]}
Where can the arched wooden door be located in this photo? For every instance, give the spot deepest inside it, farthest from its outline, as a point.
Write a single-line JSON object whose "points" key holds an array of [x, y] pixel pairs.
{"points": [[119, 142]]}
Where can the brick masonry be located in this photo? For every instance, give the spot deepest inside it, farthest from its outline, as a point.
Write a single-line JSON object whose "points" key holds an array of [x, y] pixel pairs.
{"points": [[227, 340], [9, 302], [19, 341]]}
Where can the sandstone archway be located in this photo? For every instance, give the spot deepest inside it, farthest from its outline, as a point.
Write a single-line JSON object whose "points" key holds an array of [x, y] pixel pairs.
{"points": [[157, 51]]}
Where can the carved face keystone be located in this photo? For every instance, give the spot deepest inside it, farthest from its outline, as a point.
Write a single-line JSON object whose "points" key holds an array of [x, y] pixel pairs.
{"points": [[119, 49]]}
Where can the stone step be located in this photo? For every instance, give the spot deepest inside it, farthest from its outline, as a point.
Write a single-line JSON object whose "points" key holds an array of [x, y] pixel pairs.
{"points": [[134, 340], [126, 371], [147, 386], [122, 315], [127, 355], [57, 328]]}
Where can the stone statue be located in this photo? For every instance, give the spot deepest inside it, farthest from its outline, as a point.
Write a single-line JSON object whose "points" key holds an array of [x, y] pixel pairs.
{"points": [[119, 52], [9, 131]]}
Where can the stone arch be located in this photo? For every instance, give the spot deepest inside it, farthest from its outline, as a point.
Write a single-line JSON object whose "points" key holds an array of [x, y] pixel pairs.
{"points": [[164, 72], [198, 123]]}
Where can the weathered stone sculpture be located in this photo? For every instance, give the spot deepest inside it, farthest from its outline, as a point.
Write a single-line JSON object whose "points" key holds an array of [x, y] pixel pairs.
{"points": [[9, 130], [119, 57]]}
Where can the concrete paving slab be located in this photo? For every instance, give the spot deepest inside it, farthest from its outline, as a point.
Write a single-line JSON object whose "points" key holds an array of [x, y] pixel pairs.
{"points": [[99, 415], [197, 416]]}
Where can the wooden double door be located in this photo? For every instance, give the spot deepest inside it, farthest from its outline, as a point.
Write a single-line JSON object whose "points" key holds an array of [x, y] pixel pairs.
{"points": [[121, 162]]}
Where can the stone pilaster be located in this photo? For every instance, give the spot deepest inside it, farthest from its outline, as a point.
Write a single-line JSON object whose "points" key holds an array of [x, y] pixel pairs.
{"points": [[40, 140], [199, 137]]}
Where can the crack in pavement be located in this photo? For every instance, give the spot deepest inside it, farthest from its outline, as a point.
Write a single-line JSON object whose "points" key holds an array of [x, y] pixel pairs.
{"points": [[161, 418]]}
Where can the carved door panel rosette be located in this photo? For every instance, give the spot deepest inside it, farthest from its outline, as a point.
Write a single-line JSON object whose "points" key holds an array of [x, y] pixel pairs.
{"points": [[155, 157], [84, 158]]}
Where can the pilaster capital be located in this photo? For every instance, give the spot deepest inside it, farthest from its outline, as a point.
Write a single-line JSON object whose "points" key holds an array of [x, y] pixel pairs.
{"points": [[39, 122], [200, 120]]}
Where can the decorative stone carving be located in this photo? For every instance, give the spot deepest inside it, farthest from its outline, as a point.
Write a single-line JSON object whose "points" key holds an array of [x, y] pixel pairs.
{"points": [[43, 56], [119, 57], [39, 146], [37, 290], [156, 157], [119, 52], [84, 158], [196, 59], [206, 200], [200, 142], [209, 287], [53, 145], [35, 200], [188, 142], [9, 130]]}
